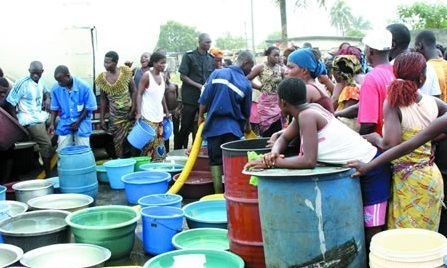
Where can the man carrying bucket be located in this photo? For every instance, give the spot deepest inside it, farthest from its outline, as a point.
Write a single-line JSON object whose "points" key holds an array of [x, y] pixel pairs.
{"points": [[227, 101], [76, 101]]}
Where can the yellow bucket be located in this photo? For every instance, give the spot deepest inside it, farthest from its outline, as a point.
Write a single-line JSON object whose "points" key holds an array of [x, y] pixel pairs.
{"points": [[407, 247]]}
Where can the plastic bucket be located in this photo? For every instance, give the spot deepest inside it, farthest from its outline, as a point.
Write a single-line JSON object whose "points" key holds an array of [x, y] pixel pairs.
{"points": [[160, 224], [242, 199], [116, 169], [3, 192], [154, 200], [141, 160], [320, 208], [141, 134], [76, 168], [407, 247], [171, 168], [142, 183]]}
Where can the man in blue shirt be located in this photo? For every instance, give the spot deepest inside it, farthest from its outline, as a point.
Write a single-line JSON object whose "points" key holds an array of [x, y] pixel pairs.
{"points": [[227, 101], [76, 101], [30, 104]]}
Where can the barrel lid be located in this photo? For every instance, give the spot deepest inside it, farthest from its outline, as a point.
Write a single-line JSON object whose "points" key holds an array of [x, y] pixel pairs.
{"points": [[284, 172]]}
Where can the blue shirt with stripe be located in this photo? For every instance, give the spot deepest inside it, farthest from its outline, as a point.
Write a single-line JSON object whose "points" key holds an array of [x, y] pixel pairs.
{"points": [[227, 96], [71, 104]]}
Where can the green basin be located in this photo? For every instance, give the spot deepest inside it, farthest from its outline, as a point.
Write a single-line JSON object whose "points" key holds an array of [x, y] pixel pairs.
{"points": [[206, 258], [202, 238], [112, 227]]}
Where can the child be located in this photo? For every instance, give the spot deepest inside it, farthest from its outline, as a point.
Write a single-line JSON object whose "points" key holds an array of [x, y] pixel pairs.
{"points": [[327, 140], [171, 96]]}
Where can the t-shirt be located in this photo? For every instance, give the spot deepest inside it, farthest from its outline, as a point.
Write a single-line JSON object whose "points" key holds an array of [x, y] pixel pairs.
{"points": [[373, 94], [151, 103], [228, 96], [440, 66]]}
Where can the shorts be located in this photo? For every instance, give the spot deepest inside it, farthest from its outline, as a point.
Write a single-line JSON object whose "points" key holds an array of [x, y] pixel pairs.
{"points": [[374, 215]]}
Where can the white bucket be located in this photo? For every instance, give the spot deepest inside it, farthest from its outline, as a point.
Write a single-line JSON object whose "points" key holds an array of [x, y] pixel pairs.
{"points": [[407, 247]]}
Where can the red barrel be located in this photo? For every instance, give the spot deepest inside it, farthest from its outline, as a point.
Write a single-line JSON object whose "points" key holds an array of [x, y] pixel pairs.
{"points": [[244, 225]]}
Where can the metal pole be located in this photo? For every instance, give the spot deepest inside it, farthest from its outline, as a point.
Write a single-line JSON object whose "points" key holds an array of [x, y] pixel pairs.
{"points": [[252, 29]]}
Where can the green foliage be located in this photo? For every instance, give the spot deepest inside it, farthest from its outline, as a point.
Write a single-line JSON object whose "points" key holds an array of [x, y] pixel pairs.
{"points": [[423, 16], [354, 33], [229, 42], [177, 37], [274, 36]]}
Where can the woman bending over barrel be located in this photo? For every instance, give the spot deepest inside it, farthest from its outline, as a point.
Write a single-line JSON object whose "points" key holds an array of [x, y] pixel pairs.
{"points": [[324, 139]]}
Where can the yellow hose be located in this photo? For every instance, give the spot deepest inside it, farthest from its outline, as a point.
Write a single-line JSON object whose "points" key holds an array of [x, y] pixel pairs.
{"points": [[189, 165]]}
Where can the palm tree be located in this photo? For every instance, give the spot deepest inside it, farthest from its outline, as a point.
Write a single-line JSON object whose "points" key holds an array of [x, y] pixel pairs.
{"points": [[341, 16], [283, 11], [359, 23]]}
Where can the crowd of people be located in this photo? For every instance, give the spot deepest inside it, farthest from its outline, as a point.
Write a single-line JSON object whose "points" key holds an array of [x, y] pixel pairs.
{"points": [[379, 110]]}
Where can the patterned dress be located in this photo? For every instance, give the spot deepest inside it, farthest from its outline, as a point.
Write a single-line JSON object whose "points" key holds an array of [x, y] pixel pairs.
{"points": [[268, 108], [120, 103], [417, 186]]}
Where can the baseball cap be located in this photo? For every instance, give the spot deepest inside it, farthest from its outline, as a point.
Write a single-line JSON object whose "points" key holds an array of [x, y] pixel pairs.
{"points": [[378, 39]]}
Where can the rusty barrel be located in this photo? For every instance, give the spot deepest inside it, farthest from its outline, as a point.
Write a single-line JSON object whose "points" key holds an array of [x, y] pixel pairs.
{"points": [[244, 226]]}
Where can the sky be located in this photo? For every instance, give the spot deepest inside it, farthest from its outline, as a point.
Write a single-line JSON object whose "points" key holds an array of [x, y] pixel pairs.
{"points": [[220, 16], [59, 32]]}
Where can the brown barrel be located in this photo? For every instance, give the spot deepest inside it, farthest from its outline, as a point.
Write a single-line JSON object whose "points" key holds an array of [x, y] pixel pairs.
{"points": [[244, 227]]}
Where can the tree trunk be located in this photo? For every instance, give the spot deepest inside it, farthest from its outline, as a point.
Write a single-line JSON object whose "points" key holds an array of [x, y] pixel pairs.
{"points": [[284, 37]]}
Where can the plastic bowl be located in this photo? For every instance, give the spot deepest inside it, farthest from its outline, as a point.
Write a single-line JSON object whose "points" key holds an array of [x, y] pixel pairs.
{"points": [[66, 255], [141, 160], [101, 174], [67, 202], [204, 258], [202, 238], [172, 168], [15, 207], [213, 197], [142, 183], [197, 185], [9, 254], [26, 190], [110, 226], [206, 214], [35, 229]]}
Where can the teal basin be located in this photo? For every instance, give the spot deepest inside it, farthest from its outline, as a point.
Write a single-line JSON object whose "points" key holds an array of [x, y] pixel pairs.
{"points": [[112, 227]]}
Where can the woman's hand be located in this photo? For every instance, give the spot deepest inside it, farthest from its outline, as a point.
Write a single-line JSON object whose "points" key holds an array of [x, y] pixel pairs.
{"points": [[359, 166], [271, 158], [273, 138], [258, 164]]}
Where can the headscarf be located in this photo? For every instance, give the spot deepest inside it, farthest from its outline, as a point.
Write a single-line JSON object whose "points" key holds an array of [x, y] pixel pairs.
{"points": [[347, 66], [355, 51], [305, 58]]}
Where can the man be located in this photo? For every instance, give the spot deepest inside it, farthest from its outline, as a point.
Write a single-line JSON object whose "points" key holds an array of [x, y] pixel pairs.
{"points": [[75, 101], [227, 101], [401, 41], [373, 88], [118, 92], [195, 68], [31, 99], [425, 43]]}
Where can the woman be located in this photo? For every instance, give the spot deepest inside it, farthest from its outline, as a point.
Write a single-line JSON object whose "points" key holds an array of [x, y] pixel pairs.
{"points": [[151, 104], [144, 61], [417, 186], [270, 74], [302, 63], [347, 70]]}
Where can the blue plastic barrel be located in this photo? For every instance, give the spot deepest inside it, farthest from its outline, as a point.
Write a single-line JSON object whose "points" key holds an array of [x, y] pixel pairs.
{"points": [[311, 217], [76, 168], [160, 224], [141, 134]]}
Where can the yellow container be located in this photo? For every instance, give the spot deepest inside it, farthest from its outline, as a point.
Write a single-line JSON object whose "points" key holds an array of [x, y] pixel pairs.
{"points": [[213, 197]]}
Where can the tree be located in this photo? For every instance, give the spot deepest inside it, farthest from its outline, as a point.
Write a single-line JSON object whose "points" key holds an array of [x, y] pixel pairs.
{"points": [[359, 23], [423, 16], [275, 36], [283, 12], [229, 42], [341, 16], [177, 37]]}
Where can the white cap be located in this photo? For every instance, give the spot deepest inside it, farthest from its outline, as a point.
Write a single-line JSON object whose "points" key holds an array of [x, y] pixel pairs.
{"points": [[378, 39]]}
